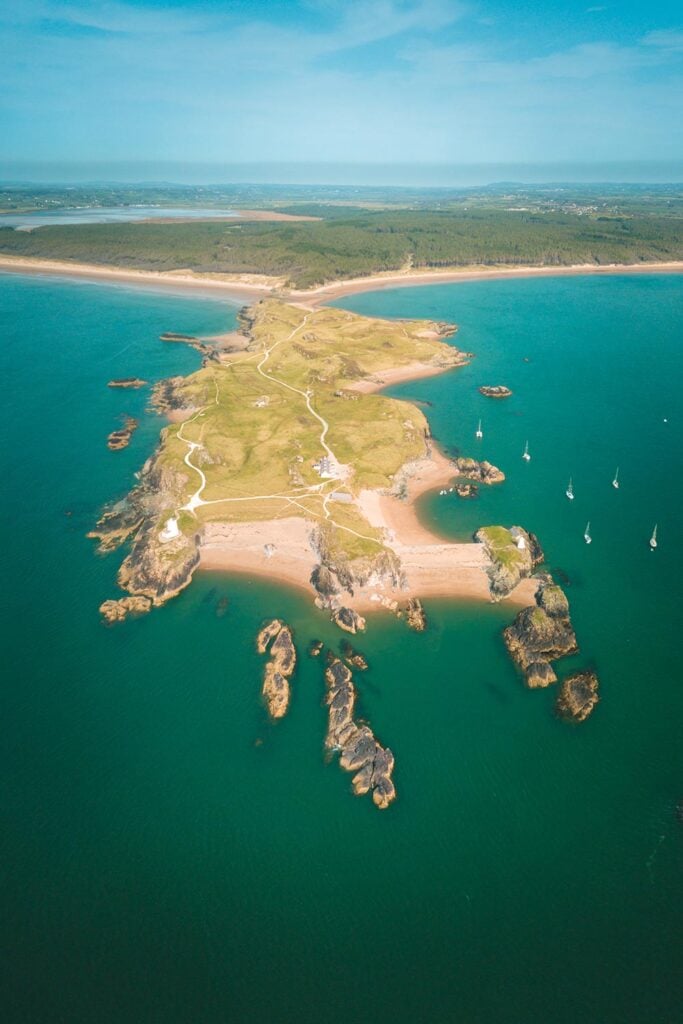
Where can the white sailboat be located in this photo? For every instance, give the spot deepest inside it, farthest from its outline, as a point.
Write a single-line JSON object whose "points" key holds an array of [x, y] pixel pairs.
{"points": [[615, 482], [570, 490], [525, 453], [587, 533], [653, 538], [478, 433]]}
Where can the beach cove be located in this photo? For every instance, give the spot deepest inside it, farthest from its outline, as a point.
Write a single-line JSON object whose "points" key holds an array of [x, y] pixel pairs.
{"points": [[145, 785]]}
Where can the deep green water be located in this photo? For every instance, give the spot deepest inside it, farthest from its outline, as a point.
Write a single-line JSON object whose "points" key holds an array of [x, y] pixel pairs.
{"points": [[168, 857]]}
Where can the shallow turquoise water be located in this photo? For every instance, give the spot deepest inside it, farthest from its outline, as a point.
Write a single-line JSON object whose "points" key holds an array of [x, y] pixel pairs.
{"points": [[170, 856]]}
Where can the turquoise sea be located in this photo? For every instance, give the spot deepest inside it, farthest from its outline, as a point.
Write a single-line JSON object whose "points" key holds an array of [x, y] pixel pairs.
{"points": [[170, 857]]}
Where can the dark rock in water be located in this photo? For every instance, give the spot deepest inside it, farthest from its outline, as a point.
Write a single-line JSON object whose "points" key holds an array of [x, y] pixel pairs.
{"points": [[117, 611], [348, 620], [353, 657], [280, 667], [577, 697], [540, 635], [466, 490], [495, 391], [210, 596], [121, 438], [222, 607], [483, 472], [315, 650], [415, 615], [359, 751]]}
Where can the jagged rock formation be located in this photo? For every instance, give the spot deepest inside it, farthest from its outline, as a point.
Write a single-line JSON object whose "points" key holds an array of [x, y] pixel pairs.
{"points": [[359, 750], [353, 657], [577, 697], [265, 635], [280, 667], [415, 615], [466, 490], [127, 382], [121, 438], [541, 634], [117, 611], [495, 391], [156, 567], [482, 472], [349, 620], [514, 554]]}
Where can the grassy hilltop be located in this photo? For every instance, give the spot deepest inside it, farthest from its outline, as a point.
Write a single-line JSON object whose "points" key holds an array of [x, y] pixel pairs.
{"points": [[259, 441]]}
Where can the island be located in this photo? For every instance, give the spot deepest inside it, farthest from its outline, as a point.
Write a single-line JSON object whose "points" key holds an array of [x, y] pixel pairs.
{"points": [[281, 459], [495, 391]]}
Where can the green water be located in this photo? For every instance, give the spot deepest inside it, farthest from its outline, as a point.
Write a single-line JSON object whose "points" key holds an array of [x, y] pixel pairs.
{"points": [[169, 857]]}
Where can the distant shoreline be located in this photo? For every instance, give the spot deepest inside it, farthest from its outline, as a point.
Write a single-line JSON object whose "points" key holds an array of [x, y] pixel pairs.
{"points": [[251, 287]]}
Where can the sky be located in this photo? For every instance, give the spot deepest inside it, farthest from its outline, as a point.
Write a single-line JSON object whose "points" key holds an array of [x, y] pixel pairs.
{"points": [[388, 82]]}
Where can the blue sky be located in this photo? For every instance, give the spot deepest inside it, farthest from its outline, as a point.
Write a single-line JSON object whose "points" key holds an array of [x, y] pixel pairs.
{"points": [[438, 81]]}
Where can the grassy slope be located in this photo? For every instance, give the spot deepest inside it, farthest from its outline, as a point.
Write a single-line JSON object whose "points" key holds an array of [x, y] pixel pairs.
{"points": [[360, 243], [250, 451]]}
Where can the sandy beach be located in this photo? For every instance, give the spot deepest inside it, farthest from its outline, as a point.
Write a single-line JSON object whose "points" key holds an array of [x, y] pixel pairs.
{"points": [[433, 566], [251, 287]]}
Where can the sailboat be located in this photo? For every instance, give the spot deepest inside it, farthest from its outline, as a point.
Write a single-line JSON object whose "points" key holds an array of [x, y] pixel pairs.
{"points": [[587, 533], [653, 538], [479, 434], [525, 453], [615, 482], [570, 490]]}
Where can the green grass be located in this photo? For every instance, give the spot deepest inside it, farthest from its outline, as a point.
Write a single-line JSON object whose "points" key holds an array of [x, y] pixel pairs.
{"points": [[253, 451]]}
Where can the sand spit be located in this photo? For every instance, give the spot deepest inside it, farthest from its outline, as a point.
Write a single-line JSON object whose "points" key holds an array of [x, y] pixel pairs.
{"points": [[250, 287]]}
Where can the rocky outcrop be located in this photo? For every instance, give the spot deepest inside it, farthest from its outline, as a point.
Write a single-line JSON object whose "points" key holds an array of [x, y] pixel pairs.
{"points": [[359, 751], [127, 382], [577, 697], [495, 391], [117, 611], [266, 634], [337, 572], [482, 472], [158, 566], [348, 620], [514, 555], [121, 438], [541, 634], [466, 490], [316, 648], [415, 615], [207, 351], [352, 657], [280, 667], [169, 396]]}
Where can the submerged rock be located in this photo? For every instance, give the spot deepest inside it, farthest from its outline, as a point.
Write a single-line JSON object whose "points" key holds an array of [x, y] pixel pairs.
{"points": [[348, 620], [359, 751], [127, 382], [280, 667], [483, 472], [117, 611], [539, 636], [577, 697]]}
